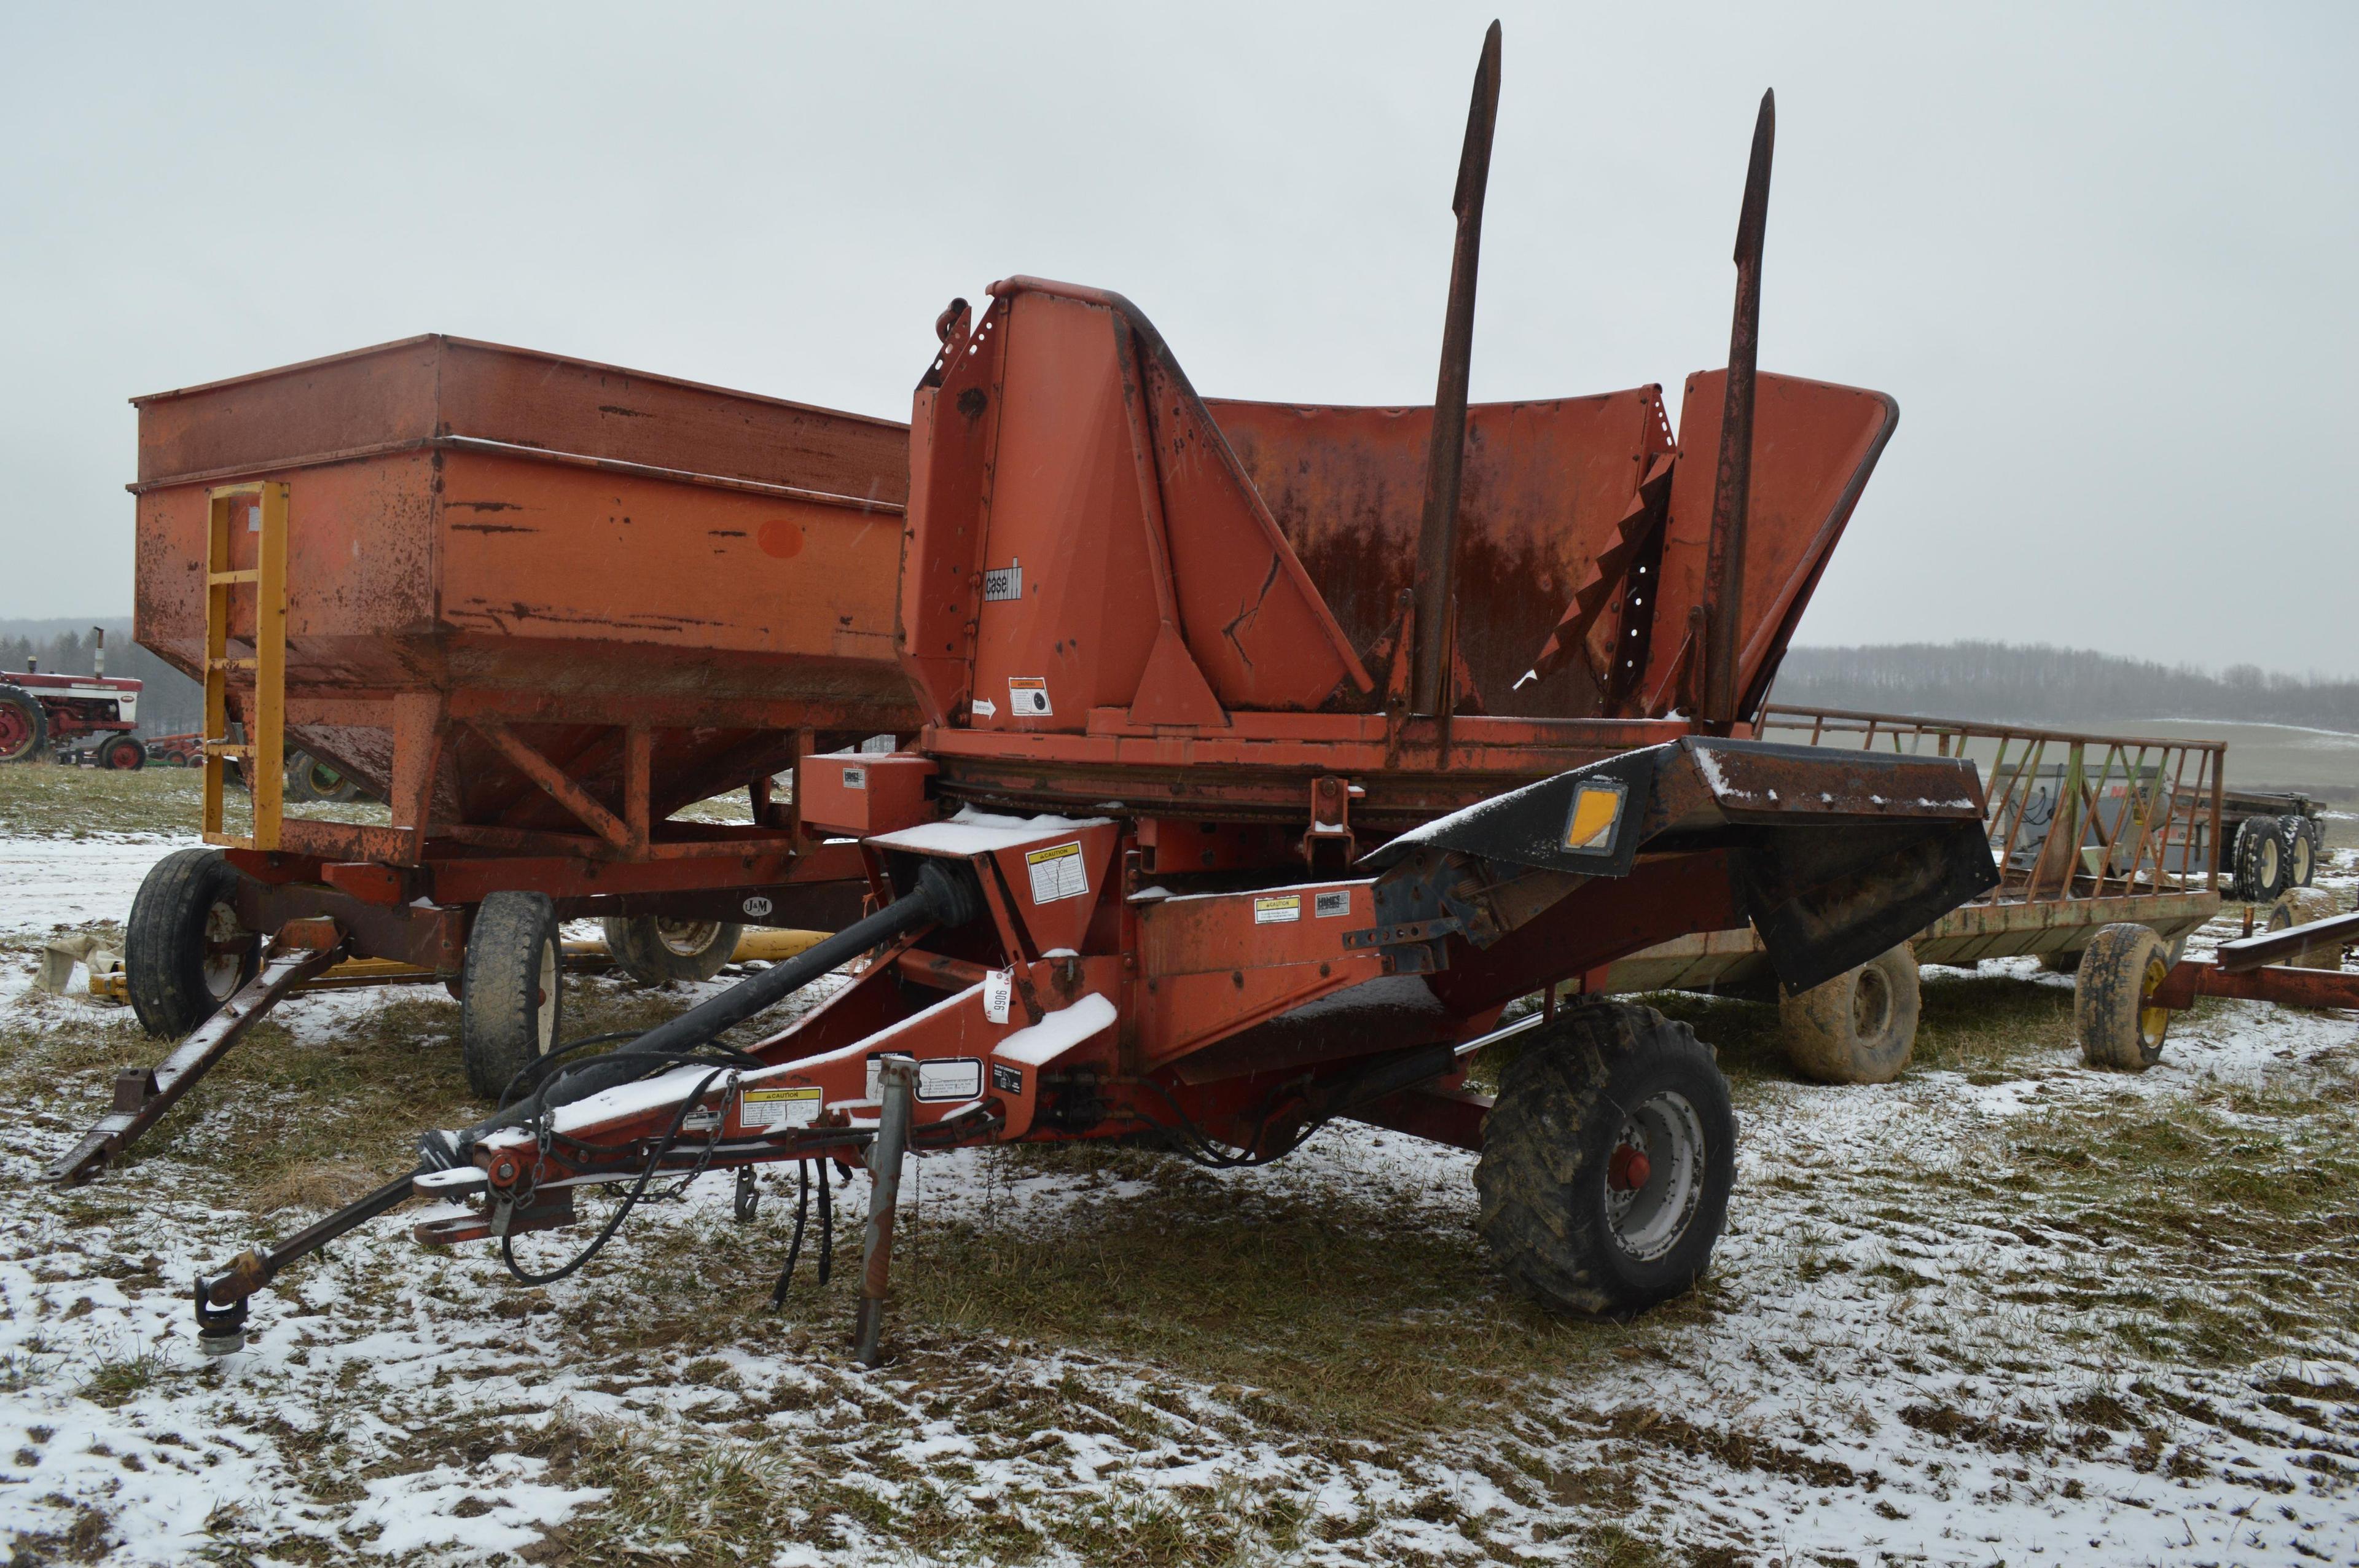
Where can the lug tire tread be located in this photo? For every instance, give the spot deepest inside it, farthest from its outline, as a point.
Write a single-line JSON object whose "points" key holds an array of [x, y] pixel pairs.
{"points": [[1548, 1137], [497, 1012], [164, 942]]}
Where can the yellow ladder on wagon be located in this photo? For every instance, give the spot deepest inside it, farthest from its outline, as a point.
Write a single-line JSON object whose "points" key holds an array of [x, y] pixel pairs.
{"points": [[263, 507]]}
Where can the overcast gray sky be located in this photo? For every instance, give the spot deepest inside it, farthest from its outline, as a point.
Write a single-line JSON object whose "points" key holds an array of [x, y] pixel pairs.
{"points": [[2103, 255]]}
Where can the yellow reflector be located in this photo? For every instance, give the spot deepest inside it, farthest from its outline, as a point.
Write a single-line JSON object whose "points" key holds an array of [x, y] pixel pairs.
{"points": [[1594, 810]]}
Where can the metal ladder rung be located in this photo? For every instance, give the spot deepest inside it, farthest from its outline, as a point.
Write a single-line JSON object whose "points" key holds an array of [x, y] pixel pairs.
{"points": [[226, 748], [223, 579], [232, 664]]}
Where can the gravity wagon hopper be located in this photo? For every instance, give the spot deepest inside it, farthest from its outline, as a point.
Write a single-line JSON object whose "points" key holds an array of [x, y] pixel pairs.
{"points": [[536, 606], [1270, 754]]}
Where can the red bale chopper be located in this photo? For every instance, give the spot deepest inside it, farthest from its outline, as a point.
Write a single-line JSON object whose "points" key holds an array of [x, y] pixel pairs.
{"points": [[1179, 659]]}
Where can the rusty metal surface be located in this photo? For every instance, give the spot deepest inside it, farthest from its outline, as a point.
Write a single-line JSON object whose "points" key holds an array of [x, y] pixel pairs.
{"points": [[2288, 945], [1733, 481], [143, 1095], [1542, 486], [2193, 979], [1430, 688], [418, 389]]}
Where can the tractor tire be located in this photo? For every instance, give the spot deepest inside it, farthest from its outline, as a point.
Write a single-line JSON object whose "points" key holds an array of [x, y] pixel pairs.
{"points": [[2300, 850], [1607, 1162], [24, 727], [309, 778], [2117, 1026], [512, 993], [2260, 860], [1858, 1028], [123, 755], [656, 952], [184, 952], [299, 777]]}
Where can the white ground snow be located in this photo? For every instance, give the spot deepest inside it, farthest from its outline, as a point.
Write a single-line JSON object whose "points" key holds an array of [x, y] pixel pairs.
{"points": [[51, 883], [1870, 1380]]}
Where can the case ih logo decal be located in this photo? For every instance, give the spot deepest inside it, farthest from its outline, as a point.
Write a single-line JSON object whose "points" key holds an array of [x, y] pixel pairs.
{"points": [[1004, 583]]}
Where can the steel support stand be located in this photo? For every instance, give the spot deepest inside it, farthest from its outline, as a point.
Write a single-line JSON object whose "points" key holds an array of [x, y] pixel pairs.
{"points": [[896, 1079]]}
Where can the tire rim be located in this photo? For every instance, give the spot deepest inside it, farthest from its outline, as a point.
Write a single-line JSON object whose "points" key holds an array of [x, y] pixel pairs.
{"points": [[2267, 867], [1655, 1176], [15, 734], [544, 1010], [1871, 1005], [227, 946], [322, 777], [2153, 1022], [123, 758], [2302, 861], [686, 938]]}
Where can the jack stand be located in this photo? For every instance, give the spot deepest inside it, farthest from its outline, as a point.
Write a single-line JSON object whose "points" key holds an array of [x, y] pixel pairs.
{"points": [[897, 1081], [221, 1331], [747, 1198]]}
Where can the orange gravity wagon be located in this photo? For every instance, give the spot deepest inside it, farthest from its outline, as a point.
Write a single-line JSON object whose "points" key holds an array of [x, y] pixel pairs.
{"points": [[536, 605]]}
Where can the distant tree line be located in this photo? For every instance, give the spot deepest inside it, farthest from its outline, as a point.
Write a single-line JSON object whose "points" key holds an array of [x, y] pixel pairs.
{"points": [[170, 702], [2033, 683]]}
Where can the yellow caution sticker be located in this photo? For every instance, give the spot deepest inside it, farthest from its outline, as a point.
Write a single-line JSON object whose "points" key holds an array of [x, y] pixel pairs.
{"points": [[1276, 909], [1057, 872], [1596, 807], [778, 1108]]}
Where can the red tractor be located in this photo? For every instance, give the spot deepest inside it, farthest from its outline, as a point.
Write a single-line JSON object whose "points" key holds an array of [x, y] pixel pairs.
{"points": [[41, 713]]}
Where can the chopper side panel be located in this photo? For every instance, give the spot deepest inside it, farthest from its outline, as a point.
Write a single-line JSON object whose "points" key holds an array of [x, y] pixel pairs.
{"points": [[1068, 604], [1255, 623], [1814, 446], [1544, 483], [954, 420]]}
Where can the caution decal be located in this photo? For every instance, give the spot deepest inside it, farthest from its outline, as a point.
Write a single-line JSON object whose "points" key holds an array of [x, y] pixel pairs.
{"points": [[1057, 872]]}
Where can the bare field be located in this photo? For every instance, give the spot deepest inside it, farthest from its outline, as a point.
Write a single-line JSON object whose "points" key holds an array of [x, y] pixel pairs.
{"points": [[2007, 1310]]}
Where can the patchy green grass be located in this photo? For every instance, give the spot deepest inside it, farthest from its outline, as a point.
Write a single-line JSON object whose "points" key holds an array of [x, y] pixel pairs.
{"points": [[42, 800]]}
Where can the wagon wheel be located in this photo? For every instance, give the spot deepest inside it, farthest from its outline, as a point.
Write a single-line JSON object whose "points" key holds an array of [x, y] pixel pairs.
{"points": [[184, 951], [2113, 1011], [2260, 860], [2299, 854], [512, 992], [1607, 1162], [1858, 1028], [22, 726], [656, 951]]}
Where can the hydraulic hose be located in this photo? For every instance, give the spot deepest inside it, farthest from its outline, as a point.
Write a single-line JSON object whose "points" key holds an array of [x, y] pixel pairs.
{"points": [[946, 895]]}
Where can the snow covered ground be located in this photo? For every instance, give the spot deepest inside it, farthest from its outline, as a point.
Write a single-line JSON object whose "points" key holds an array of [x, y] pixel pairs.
{"points": [[2009, 1311]]}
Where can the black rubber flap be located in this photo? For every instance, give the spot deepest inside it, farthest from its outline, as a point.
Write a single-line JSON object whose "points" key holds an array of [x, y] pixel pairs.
{"points": [[1826, 899], [1552, 824]]}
